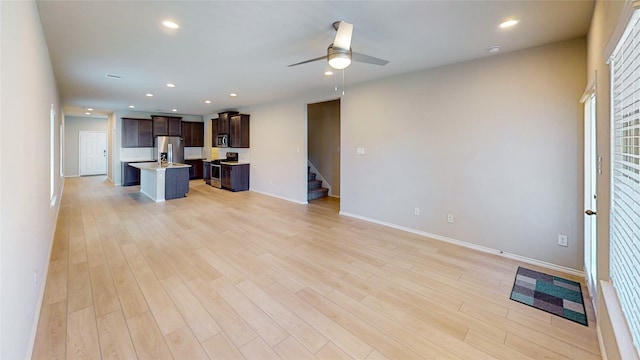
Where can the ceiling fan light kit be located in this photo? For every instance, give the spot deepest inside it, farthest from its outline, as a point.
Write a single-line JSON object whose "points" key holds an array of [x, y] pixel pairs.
{"points": [[338, 58]]}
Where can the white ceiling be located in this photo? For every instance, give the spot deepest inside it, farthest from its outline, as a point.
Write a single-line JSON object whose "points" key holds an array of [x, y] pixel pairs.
{"points": [[245, 46]]}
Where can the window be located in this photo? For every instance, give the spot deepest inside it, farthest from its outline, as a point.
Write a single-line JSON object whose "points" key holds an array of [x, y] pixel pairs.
{"points": [[61, 140], [625, 175], [52, 156]]}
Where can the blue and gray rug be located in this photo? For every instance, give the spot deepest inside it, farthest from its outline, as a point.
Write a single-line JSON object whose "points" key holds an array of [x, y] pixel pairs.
{"points": [[549, 293]]}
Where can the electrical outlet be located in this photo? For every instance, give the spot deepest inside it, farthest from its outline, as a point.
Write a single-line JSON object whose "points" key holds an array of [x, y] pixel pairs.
{"points": [[450, 218], [416, 211], [563, 240], [360, 151]]}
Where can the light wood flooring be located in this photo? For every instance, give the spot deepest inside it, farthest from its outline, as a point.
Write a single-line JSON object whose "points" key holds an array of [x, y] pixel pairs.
{"points": [[225, 275]]}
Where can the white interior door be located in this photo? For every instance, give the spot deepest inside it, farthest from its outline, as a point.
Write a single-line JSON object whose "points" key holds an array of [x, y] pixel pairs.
{"points": [[590, 197], [93, 152]]}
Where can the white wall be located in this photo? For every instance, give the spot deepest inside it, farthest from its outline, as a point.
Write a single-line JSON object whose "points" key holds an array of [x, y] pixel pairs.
{"points": [[72, 127], [279, 149], [27, 221], [496, 142]]}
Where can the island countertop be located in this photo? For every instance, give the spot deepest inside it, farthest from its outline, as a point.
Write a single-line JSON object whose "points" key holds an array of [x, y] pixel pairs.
{"points": [[156, 166], [233, 163]]}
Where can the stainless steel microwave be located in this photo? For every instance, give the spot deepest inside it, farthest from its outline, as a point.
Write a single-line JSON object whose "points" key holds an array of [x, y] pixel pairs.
{"points": [[222, 140]]}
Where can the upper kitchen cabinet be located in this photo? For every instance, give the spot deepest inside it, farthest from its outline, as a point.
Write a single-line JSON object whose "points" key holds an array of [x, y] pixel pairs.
{"points": [[214, 132], [193, 134], [223, 121], [166, 125], [239, 131], [137, 133]]}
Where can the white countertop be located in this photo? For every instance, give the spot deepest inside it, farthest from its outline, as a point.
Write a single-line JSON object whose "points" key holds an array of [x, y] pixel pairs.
{"points": [[155, 166], [152, 160], [136, 160], [234, 163]]}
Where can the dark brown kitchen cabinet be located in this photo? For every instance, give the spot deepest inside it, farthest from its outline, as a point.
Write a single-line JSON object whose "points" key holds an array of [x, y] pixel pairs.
{"points": [[196, 169], [137, 133], [166, 125], [239, 131], [214, 132], [206, 171], [197, 134], [130, 175], [176, 183], [223, 121], [235, 177], [193, 134]]}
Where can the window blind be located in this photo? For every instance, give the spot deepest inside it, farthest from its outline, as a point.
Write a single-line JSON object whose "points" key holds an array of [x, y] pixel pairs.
{"points": [[625, 176]]}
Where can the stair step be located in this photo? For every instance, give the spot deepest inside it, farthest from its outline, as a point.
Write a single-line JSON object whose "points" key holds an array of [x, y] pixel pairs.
{"points": [[317, 193], [314, 184], [311, 176]]}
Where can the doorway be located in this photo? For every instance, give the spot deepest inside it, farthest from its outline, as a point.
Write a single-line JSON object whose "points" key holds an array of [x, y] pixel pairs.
{"points": [[93, 153], [323, 139], [591, 169]]}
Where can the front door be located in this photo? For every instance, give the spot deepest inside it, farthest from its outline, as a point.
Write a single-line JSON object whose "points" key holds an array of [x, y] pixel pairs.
{"points": [[93, 153]]}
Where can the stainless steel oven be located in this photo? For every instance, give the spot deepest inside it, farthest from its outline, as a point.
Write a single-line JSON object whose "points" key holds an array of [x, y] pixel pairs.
{"points": [[215, 174], [216, 168]]}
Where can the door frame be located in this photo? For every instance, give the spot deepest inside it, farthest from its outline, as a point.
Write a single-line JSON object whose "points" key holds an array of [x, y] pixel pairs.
{"points": [[591, 169], [308, 164]]}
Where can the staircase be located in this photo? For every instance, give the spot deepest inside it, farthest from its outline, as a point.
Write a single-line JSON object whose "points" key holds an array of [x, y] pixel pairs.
{"points": [[314, 187]]}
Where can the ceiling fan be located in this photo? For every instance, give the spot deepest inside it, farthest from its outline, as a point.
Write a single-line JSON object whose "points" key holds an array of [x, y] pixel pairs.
{"points": [[339, 54]]}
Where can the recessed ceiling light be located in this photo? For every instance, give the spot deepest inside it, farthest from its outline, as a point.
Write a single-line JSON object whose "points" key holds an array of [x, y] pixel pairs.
{"points": [[174, 110], [328, 73], [87, 113], [233, 94], [171, 85], [149, 94], [509, 23], [131, 106], [207, 101], [90, 109], [170, 24], [494, 49]]}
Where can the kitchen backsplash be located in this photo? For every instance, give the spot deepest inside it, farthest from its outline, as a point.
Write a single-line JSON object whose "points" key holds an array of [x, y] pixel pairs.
{"points": [[193, 153], [244, 155], [136, 154], [142, 154]]}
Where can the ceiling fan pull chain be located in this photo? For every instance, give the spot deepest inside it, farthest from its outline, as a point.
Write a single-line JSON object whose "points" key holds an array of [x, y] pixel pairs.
{"points": [[342, 82]]}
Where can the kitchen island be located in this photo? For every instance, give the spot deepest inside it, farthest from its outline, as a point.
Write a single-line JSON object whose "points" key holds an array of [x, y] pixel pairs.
{"points": [[163, 182]]}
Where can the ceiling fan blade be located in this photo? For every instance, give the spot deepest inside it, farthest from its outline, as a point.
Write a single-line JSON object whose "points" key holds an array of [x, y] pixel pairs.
{"points": [[308, 61], [368, 59], [343, 36]]}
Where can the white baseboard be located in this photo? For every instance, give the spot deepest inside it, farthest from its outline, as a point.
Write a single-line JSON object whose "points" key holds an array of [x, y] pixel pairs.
{"points": [[603, 352], [280, 197], [43, 282], [481, 248]]}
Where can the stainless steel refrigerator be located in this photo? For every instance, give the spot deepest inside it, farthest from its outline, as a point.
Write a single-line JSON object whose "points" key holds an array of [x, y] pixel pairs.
{"points": [[169, 148]]}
